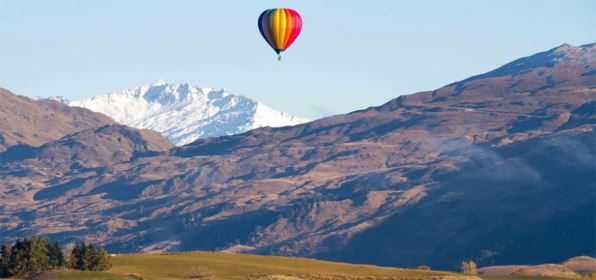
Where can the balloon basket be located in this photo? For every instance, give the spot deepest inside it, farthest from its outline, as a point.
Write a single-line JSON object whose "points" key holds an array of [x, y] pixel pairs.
{"points": [[279, 58]]}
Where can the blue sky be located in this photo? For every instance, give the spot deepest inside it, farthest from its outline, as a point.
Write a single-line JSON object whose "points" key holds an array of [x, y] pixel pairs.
{"points": [[350, 54]]}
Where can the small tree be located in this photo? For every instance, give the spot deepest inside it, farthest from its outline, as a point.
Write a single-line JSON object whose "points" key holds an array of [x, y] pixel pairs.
{"points": [[88, 257], [468, 267], [17, 264], [473, 268], [37, 255], [463, 267], [102, 260], [56, 256], [4, 259], [94, 260], [75, 260]]}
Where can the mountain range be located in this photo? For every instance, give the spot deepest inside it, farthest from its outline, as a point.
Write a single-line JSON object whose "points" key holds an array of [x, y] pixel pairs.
{"points": [[498, 168], [183, 113]]}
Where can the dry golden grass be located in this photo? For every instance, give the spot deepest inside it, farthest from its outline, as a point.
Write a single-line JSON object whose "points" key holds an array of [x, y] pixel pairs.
{"points": [[210, 265]]}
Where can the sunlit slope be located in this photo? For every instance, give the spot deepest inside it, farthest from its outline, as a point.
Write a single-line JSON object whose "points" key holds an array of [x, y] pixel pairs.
{"points": [[241, 266], [209, 265]]}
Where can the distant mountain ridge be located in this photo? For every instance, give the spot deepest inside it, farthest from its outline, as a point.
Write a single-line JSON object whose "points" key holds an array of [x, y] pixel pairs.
{"points": [[184, 113]]}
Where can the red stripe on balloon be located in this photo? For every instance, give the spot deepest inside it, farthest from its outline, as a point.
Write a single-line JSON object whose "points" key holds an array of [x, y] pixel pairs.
{"points": [[290, 24], [297, 27]]}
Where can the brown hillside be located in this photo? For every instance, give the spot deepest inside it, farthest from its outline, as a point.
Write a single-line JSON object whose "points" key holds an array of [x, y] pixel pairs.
{"points": [[35, 122]]}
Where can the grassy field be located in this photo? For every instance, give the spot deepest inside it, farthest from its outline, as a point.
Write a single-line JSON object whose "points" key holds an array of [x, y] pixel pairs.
{"points": [[213, 266], [495, 277], [208, 265], [75, 275]]}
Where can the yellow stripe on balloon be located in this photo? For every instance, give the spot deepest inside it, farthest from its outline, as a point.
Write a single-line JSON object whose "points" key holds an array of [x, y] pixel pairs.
{"points": [[275, 26], [281, 28], [284, 20]]}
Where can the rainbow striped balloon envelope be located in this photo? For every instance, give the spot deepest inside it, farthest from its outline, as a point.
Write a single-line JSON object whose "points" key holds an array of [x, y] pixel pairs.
{"points": [[280, 27]]}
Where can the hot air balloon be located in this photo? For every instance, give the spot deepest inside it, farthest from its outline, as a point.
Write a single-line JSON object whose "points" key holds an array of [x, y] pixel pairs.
{"points": [[280, 27]]}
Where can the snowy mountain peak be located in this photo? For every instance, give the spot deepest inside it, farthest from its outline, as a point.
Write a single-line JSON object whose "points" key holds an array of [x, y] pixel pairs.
{"points": [[58, 98], [184, 112], [159, 82]]}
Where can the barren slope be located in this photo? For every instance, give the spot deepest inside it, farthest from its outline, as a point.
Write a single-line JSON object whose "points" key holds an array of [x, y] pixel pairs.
{"points": [[31, 122]]}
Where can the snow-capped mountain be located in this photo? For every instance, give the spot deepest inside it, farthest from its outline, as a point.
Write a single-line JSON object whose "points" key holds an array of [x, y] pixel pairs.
{"points": [[184, 113]]}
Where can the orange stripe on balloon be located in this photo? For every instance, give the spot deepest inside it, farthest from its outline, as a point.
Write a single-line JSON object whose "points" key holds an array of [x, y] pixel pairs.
{"points": [[289, 28]]}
